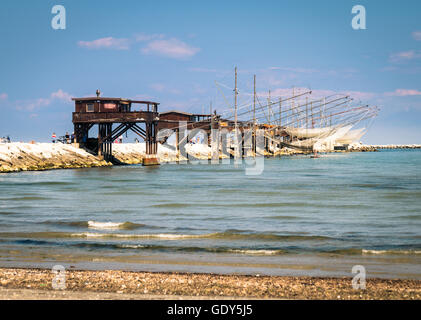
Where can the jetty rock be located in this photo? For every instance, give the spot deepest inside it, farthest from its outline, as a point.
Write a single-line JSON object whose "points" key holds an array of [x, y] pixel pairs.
{"points": [[15, 157], [359, 147], [398, 146], [20, 156]]}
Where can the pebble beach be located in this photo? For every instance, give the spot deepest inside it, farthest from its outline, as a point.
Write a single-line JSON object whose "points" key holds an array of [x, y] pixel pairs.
{"points": [[113, 284]]}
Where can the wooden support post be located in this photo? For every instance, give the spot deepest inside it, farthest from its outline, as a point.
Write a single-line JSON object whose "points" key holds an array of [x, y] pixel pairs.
{"points": [[100, 135], [151, 144]]}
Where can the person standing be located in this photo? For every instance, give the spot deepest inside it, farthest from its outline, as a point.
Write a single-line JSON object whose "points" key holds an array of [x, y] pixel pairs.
{"points": [[53, 137]]}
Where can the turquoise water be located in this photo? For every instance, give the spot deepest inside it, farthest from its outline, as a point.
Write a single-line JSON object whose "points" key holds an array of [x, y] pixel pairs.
{"points": [[301, 216]]}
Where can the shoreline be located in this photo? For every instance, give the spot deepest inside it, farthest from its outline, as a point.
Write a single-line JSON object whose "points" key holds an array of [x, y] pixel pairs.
{"points": [[118, 284]]}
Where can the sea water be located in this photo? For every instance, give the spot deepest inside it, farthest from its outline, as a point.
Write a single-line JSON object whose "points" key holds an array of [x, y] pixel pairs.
{"points": [[301, 216]]}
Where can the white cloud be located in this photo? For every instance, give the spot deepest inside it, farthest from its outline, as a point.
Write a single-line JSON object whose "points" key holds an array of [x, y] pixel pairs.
{"points": [[416, 35], [106, 43], [404, 93], [404, 56], [61, 95], [172, 48], [148, 37], [157, 44], [159, 87], [31, 105]]}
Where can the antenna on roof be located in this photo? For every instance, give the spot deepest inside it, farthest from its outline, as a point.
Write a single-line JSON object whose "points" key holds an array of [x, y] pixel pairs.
{"points": [[98, 93]]}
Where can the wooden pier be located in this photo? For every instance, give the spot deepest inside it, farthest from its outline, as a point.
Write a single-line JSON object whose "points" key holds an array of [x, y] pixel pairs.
{"points": [[105, 112], [115, 116]]}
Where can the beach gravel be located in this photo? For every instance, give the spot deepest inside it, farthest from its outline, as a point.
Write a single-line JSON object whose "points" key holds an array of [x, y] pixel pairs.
{"points": [[115, 284]]}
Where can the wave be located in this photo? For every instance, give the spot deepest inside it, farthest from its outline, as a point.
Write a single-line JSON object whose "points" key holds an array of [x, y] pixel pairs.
{"points": [[163, 236], [228, 250], [28, 198], [113, 225], [359, 251], [411, 217], [265, 236], [244, 251], [98, 225], [171, 205], [169, 236], [282, 217], [7, 212], [216, 235], [40, 183], [386, 252], [257, 251]]}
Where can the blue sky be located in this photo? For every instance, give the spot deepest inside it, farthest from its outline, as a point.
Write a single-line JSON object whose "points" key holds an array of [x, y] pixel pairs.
{"points": [[174, 51]]}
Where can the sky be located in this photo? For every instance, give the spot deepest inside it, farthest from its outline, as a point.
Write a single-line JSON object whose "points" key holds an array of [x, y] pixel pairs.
{"points": [[182, 54]]}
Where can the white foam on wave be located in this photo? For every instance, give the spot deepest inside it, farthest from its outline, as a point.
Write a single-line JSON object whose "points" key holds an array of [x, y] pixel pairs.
{"points": [[164, 236], [132, 246], [364, 251], [255, 252], [105, 225]]}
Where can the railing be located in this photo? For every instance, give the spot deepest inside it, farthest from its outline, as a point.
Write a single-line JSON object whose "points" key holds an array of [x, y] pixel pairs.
{"points": [[97, 117]]}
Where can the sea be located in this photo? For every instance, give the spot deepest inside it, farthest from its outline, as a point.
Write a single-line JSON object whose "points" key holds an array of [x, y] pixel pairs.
{"points": [[301, 216]]}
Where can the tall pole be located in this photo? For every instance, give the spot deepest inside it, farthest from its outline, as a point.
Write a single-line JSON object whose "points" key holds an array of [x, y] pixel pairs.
{"points": [[306, 112], [293, 104], [236, 146], [280, 121], [210, 137], [235, 101], [280, 112], [270, 108], [254, 133], [312, 115], [211, 115], [254, 101]]}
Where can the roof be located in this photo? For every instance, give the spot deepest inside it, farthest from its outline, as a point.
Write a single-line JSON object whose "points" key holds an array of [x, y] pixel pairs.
{"points": [[187, 113], [179, 112], [113, 99]]}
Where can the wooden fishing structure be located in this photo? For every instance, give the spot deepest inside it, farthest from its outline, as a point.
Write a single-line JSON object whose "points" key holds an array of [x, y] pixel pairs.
{"points": [[292, 121], [107, 112], [296, 121]]}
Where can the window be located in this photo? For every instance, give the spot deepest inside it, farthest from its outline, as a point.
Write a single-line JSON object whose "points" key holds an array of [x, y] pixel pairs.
{"points": [[89, 107]]}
